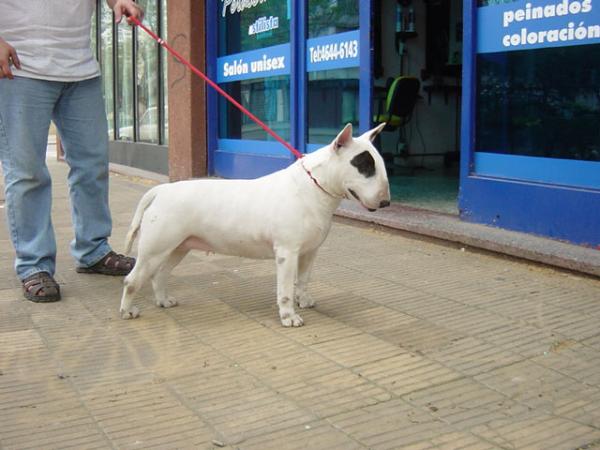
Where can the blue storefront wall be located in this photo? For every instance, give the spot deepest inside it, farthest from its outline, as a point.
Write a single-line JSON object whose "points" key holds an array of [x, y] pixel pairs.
{"points": [[535, 165]]}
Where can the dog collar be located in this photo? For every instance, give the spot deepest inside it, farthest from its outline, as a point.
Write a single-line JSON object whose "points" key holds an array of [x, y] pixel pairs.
{"points": [[317, 182]]}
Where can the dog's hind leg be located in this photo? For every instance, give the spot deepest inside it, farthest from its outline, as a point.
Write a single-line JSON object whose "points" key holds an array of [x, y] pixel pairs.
{"points": [[287, 270], [143, 271], [305, 265], [159, 280], [127, 310]]}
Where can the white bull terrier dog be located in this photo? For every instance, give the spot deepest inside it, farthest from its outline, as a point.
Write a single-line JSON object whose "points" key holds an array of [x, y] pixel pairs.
{"points": [[285, 215]]}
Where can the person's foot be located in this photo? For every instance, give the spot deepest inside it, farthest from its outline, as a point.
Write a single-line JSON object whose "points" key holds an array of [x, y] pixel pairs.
{"points": [[111, 264], [41, 287]]}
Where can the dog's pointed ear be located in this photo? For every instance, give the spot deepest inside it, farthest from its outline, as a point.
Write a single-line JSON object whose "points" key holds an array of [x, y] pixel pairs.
{"points": [[372, 134], [343, 139]]}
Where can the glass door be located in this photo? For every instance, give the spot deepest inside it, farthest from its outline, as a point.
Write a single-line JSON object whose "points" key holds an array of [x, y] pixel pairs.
{"points": [[332, 65], [253, 65]]}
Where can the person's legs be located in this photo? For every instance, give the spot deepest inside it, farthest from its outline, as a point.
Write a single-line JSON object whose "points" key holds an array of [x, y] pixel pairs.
{"points": [[25, 110], [80, 118]]}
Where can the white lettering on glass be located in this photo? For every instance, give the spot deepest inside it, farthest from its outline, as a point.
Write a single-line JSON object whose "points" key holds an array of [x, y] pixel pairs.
{"points": [[334, 51], [264, 64], [263, 24], [236, 6], [571, 31]]}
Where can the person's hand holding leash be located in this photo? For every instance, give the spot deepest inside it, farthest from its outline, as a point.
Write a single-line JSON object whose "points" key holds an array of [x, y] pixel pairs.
{"points": [[8, 57], [126, 8]]}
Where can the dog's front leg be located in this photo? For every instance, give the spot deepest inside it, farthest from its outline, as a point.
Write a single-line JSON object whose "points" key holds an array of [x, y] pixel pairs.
{"points": [[287, 270], [302, 297]]}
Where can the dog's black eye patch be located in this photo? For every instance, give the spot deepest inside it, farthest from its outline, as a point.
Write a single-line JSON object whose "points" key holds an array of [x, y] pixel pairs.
{"points": [[365, 164]]}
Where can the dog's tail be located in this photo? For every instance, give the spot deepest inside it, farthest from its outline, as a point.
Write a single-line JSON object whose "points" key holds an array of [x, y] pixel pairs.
{"points": [[146, 200]]}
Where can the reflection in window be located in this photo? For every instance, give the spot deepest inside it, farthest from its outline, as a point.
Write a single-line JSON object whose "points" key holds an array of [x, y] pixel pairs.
{"points": [[106, 64], [327, 17], [332, 102], [164, 85], [147, 77], [125, 83], [542, 102], [267, 98]]}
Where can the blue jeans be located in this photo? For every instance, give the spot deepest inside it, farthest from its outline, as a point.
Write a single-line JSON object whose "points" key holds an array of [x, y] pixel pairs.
{"points": [[77, 109]]}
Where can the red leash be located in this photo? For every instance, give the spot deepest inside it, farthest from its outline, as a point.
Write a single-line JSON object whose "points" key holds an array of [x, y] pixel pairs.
{"points": [[216, 87]]}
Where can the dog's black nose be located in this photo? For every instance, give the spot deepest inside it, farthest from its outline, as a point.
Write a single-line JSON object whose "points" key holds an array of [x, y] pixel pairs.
{"points": [[384, 203]]}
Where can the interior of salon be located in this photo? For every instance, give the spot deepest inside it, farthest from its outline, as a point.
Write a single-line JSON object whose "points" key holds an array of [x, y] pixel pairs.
{"points": [[417, 90]]}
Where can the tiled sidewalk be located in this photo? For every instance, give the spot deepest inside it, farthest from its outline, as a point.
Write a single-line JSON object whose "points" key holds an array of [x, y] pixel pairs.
{"points": [[412, 345]]}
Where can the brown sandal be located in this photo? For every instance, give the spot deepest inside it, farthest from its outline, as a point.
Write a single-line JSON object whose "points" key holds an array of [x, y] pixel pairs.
{"points": [[41, 287], [111, 264]]}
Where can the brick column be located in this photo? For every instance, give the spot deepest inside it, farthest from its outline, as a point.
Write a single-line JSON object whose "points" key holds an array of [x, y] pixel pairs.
{"points": [[187, 93]]}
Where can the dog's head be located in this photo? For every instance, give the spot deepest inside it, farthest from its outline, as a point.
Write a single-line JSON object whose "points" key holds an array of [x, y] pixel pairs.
{"points": [[361, 169]]}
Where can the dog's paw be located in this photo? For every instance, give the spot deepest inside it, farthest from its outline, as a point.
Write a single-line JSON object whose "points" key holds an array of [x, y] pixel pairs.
{"points": [[305, 301], [167, 303], [293, 320], [131, 314]]}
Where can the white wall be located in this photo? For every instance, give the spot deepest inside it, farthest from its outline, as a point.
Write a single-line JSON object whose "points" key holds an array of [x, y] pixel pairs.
{"points": [[436, 120]]}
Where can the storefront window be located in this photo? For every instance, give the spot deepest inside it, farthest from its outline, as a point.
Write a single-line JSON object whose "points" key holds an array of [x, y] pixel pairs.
{"points": [[106, 64], [254, 67], [332, 60], [164, 83], [540, 102], [147, 77], [537, 77], [124, 84], [134, 93]]}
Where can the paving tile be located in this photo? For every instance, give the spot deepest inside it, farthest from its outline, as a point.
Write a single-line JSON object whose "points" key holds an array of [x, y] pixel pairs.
{"points": [[314, 436], [538, 432], [319, 328], [544, 389], [460, 440], [522, 339], [406, 373], [593, 342], [375, 319], [574, 360], [471, 356], [464, 403], [357, 350], [137, 415], [389, 425], [45, 413], [419, 336], [333, 393], [344, 303], [237, 405]]}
